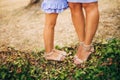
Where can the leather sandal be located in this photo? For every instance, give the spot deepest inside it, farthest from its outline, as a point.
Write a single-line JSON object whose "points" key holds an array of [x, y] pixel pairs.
{"points": [[61, 55], [60, 52], [88, 48]]}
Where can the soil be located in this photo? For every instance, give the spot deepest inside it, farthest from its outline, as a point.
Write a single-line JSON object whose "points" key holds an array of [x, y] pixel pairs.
{"points": [[22, 27]]}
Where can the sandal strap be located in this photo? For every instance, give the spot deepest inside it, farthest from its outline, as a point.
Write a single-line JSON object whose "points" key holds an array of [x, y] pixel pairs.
{"points": [[48, 54], [79, 60], [81, 43], [60, 52], [88, 48], [59, 57]]}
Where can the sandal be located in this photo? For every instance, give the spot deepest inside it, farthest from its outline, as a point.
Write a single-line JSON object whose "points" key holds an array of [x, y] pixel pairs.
{"points": [[61, 55], [88, 48], [60, 52]]}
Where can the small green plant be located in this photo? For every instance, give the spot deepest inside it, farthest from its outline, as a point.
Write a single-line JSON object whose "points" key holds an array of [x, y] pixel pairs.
{"points": [[102, 65]]}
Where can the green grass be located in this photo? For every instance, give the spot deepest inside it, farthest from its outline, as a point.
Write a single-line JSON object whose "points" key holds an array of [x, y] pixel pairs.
{"points": [[104, 64]]}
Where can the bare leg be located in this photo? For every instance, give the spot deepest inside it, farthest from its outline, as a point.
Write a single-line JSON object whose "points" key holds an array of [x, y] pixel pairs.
{"points": [[51, 54], [78, 19], [50, 22], [78, 22], [85, 29], [92, 19]]}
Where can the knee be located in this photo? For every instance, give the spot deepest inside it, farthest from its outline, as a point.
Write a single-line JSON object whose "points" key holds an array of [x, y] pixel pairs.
{"points": [[90, 6], [75, 8], [72, 6], [50, 25]]}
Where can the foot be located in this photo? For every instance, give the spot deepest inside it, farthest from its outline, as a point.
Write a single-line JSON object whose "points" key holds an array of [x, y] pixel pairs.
{"points": [[60, 52], [55, 55], [76, 58], [83, 53]]}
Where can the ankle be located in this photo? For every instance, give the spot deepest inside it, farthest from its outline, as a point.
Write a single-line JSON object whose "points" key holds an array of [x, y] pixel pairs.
{"points": [[48, 51], [81, 43], [87, 47]]}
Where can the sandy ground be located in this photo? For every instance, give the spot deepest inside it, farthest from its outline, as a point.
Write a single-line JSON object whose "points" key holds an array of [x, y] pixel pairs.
{"points": [[22, 28]]}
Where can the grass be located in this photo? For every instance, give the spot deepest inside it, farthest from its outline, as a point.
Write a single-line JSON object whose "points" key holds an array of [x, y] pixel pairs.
{"points": [[102, 65]]}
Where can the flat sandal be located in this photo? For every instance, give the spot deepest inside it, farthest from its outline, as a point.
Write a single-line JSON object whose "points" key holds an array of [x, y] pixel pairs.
{"points": [[60, 57]]}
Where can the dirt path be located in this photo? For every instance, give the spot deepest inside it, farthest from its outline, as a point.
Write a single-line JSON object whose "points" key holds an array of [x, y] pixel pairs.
{"points": [[22, 28]]}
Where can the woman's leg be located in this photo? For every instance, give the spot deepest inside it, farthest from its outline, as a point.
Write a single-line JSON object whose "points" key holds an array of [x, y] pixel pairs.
{"points": [[78, 19], [78, 22], [91, 24], [85, 28], [50, 22], [92, 19]]}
